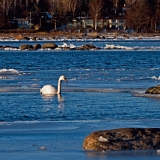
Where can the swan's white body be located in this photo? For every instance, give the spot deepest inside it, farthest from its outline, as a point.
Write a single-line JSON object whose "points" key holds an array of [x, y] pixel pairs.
{"points": [[50, 90]]}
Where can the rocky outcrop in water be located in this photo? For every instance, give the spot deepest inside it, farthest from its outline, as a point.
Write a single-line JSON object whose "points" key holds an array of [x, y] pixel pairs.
{"points": [[88, 47], [153, 90], [49, 46], [123, 139], [26, 46], [37, 46]]}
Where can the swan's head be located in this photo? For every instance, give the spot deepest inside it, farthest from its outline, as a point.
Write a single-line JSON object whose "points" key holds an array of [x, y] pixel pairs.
{"points": [[63, 78]]}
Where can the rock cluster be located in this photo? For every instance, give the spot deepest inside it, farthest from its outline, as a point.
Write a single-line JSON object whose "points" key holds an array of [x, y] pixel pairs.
{"points": [[123, 139], [38, 46], [88, 47], [49, 46], [20, 37], [26, 46], [153, 90]]}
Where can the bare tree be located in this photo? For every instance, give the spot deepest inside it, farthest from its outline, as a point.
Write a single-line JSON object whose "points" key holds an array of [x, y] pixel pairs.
{"points": [[74, 4], [157, 15], [26, 5], [130, 3], [95, 10], [71, 6], [18, 3], [115, 4], [5, 6], [139, 17], [52, 4], [59, 7]]}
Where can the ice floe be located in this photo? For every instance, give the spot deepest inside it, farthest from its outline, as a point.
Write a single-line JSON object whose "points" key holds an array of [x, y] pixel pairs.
{"points": [[5, 71]]}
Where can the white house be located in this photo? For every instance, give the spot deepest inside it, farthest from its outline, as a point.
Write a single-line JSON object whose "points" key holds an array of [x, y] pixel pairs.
{"points": [[106, 23], [117, 23]]}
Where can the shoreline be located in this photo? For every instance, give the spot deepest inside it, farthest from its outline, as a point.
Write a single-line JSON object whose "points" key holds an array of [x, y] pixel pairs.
{"points": [[93, 35], [47, 42]]}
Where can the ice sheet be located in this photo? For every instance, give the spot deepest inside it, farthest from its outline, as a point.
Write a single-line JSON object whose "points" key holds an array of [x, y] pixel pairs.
{"points": [[63, 140]]}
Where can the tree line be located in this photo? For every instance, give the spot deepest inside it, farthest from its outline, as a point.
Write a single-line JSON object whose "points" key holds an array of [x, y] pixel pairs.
{"points": [[144, 16], [141, 15]]}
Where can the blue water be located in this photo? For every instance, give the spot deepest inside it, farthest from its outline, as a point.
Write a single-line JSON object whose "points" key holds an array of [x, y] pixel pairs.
{"points": [[102, 84]]}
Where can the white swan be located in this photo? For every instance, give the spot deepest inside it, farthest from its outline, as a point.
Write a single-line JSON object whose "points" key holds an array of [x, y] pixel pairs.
{"points": [[49, 90]]}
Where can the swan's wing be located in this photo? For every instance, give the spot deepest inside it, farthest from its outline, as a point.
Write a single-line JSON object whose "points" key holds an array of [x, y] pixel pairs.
{"points": [[48, 89]]}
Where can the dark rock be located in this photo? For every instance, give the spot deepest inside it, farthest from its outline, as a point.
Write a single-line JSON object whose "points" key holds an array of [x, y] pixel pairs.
{"points": [[49, 46], [34, 38], [6, 47], [30, 47], [38, 38], [87, 47], [103, 37], [9, 47], [20, 37], [26, 46], [23, 46], [37, 46], [26, 38], [123, 139], [98, 37], [153, 90]]}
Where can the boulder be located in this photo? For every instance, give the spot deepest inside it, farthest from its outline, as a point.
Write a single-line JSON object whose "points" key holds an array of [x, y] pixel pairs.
{"points": [[37, 46], [26, 38], [38, 38], [49, 46], [19, 37], [153, 90], [87, 47], [123, 139], [30, 47], [26, 46], [33, 38]]}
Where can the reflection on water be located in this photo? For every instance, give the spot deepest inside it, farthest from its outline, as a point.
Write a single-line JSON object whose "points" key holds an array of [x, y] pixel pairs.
{"points": [[49, 101], [60, 98], [120, 154], [60, 104], [49, 97]]}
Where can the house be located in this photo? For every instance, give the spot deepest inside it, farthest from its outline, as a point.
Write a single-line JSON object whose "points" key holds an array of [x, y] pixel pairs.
{"points": [[87, 22], [117, 23], [20, 23], [106, 23], [44, 20], [80, 22]]}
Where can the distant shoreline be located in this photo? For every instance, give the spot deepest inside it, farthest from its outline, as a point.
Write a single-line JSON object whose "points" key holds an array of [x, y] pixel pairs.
{"points": [[60, 34]]}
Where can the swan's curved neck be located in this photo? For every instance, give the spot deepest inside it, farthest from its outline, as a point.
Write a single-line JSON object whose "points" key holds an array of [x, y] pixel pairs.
{"points": [[59, 87]]}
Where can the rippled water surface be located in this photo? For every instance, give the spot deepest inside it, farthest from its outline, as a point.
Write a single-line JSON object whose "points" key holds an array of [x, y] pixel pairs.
{"points": [[102, 84]]}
